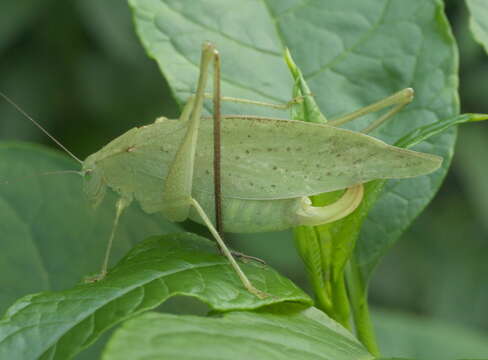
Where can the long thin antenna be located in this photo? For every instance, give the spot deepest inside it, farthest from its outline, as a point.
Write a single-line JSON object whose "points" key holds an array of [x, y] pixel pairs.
{"points": [[19, 109]]}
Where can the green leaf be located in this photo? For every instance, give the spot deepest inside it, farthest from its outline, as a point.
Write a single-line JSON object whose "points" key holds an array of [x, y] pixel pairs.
{"points": [[51, 236], [306, 109], [347, 229], [351, 54], [416, 136], [57, 325], [479, 21], [237, 335], [326, 249], [425, 132], [406, 335]]}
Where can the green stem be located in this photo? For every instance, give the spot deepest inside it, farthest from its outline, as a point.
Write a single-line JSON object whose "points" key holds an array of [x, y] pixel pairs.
{"points": [[340, 301], [323, 301], [308, 246], [359, 303]]}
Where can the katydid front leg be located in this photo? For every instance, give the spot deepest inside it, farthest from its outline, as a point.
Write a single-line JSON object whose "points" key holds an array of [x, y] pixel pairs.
{"points": [[121, 204], [178, 185]]}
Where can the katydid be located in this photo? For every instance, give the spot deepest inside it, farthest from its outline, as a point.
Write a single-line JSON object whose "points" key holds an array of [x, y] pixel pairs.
{"points": [[269, 167]]}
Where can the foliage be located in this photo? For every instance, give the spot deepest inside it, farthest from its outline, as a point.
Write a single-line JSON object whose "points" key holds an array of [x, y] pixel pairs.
{"points": [[354, 54], [293, 335], [153, 271]]}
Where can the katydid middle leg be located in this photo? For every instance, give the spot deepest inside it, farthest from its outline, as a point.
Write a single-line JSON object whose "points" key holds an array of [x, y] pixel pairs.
{"points": [[397, 100], [277, 106]]}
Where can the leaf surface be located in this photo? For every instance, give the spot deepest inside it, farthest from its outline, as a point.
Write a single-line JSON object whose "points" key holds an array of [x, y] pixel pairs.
{"points": [[51, 236], [237, 335], [57, 325], [351, 55], [406, 335]]}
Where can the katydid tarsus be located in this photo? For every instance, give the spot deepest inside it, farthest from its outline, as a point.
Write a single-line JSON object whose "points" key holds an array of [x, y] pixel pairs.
{"points": [[269, 167]]}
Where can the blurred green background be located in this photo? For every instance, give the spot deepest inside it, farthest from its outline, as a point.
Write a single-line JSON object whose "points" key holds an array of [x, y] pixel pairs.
{"points": [[79, 69]]}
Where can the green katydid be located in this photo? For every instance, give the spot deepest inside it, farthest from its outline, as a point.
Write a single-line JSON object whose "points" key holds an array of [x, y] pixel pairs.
{"points": [[167, 167]]}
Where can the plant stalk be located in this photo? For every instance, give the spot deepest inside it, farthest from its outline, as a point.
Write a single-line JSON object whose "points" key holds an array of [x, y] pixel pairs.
{"points": [[359, 303], [340, 302], [308, 246]]}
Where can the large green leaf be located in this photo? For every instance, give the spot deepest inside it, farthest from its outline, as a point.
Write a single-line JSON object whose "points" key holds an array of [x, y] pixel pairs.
{"points": [[346, 231], [237, 335], [51, 236], [479, 21], [351, 53], [57, 325], [405, 335]]}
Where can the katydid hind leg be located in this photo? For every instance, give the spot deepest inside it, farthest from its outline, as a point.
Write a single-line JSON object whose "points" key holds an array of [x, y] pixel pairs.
{"points": [[397, 100], [187, 109], [178, 183], [242, 276]]}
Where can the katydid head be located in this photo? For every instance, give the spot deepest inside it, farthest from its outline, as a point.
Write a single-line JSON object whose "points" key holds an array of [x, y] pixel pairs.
{"points": [[94, 185]]}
